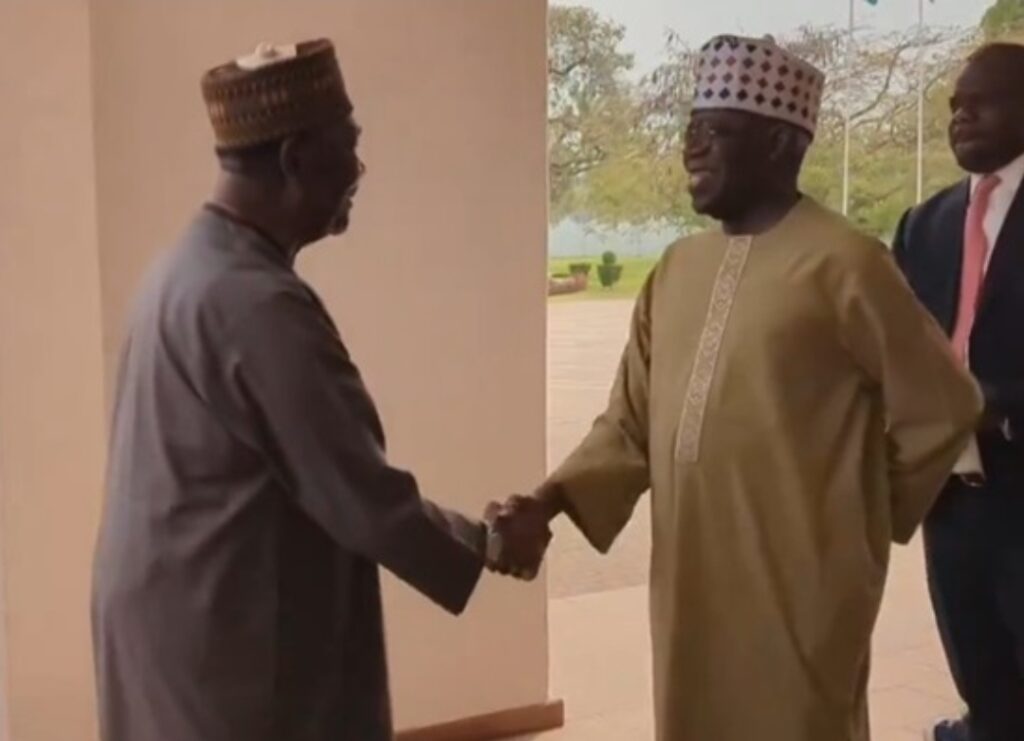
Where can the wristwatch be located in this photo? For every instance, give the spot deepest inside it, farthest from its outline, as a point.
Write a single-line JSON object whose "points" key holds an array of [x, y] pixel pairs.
{"points": [[494, 544]]}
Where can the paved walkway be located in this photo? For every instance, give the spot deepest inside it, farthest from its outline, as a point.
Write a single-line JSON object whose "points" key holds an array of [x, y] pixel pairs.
{"points": [[600, 652]]}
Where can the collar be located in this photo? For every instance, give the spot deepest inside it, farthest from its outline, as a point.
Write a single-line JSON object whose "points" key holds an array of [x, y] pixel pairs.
{"points": [[249, 233], [1010, 176]]}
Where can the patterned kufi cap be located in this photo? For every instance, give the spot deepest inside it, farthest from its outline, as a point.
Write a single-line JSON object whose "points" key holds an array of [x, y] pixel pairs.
{"points": [[758, 76], [275, 92]]}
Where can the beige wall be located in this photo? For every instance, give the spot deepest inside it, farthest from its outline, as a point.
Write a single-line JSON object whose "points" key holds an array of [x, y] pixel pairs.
{"points": [[438, 290], [51, 420]]}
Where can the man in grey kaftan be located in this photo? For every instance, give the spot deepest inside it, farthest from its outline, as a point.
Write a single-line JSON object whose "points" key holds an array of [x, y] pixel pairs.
{"points": [[236, 593]]}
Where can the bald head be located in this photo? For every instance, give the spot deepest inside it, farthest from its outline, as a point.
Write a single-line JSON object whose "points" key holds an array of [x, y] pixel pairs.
{"points": [[987, 130]]}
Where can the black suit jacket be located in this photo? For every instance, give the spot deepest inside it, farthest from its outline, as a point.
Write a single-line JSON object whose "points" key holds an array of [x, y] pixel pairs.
{"points": [[929, 248]]}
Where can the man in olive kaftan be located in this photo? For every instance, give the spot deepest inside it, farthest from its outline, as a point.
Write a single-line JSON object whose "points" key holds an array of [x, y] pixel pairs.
{"points": [[792, 410]]}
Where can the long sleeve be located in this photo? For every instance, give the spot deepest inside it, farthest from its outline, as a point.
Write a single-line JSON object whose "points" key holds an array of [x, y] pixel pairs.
{"points": [[899, 241], [604, 476], [931, 402], [322, 437], [1005, 402]]}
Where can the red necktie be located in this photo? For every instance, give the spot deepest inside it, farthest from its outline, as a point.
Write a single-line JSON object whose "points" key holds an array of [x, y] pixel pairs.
{"points": [[972, 274]]}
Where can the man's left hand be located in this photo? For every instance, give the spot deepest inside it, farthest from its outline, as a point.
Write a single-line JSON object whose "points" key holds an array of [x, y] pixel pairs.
{"points": [[994, 418]]}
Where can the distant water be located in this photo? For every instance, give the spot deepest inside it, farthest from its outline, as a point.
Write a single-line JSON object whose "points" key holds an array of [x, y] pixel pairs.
{"points": [[572, 238]]}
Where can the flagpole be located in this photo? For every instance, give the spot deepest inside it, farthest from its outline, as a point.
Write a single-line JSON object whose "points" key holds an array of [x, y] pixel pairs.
{"points": [[846, 121], [920, 100]]}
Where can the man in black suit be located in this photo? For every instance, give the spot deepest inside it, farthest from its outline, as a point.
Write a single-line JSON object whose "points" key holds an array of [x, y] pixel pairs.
{"points": [[963, 253]]}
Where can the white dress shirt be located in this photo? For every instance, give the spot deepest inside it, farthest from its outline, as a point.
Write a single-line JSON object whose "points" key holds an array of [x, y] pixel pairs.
{"points": [[1010, 178]]}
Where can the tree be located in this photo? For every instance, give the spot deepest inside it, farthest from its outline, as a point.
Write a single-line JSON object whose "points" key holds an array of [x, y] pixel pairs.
{"points": [[878, 90], [1004, 20], [588, 98], [642, 182]]}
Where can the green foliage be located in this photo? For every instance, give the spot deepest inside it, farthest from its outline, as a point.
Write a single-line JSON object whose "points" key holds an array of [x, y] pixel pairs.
{"points": [[615, 139], [579, 268], [1005, 19], [609, 274], [609, 271], [588, 100], [634, 273]]}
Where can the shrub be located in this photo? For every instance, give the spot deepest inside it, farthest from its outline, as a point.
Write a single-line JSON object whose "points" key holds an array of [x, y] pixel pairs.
{"points": [[609, 274]]}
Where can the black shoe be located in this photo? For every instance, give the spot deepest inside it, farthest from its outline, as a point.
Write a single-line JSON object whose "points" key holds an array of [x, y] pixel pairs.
{"points": [[950, 730]]}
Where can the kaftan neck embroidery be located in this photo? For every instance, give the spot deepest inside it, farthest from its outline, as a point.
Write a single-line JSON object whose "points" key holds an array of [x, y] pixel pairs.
{"points": [[723, 294]]}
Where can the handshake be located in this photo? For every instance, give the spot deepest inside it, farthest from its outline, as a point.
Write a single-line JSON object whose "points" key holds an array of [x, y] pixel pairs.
{"points": [[518, 534]]}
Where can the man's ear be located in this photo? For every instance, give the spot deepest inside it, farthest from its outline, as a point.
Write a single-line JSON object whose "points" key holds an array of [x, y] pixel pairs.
{"points": [[291, 157], [787, 145], [780, 143]]}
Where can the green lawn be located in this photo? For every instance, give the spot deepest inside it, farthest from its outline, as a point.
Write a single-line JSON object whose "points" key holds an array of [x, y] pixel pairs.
{"points": [[634, 272]]}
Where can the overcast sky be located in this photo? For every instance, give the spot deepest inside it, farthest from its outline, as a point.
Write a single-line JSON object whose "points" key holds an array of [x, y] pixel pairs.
{"points": [[646, 21]]}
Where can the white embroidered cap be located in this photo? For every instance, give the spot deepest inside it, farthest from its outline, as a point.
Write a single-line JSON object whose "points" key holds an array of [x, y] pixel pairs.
{"points": [[758, 76]]}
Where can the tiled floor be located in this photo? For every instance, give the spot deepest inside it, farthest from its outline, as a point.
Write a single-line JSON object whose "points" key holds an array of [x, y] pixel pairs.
{"points": [[600, 654]]}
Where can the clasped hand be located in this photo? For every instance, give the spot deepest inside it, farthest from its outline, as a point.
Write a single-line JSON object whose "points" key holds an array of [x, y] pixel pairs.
{"points": [[518, 536]]}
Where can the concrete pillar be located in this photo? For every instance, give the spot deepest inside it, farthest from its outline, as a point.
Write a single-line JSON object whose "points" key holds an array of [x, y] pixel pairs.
{"points": [[52, 430]]}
